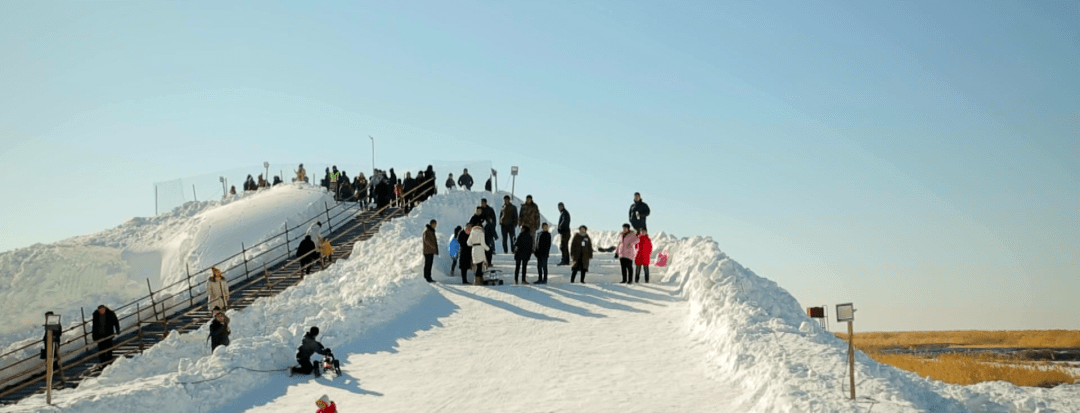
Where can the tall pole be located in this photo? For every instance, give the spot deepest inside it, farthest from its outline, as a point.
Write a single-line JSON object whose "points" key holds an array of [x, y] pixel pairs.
{"points": [[851, 356], [372, 153], [155, 200], [48, 365]]}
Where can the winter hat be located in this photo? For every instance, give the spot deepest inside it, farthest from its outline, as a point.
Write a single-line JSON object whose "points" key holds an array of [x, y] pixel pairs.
{"points": [[216, 271], [314, 331], [323, 401]]}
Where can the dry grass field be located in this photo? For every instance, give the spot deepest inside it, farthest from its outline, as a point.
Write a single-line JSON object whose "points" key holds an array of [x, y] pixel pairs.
{"points": [[973, 368]]}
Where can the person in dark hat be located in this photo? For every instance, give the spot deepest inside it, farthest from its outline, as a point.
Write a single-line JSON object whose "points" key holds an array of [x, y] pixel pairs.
{"points": [[308, 347]]}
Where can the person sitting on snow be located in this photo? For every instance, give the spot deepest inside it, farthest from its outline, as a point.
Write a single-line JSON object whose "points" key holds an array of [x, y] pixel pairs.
{"points": [[308, 347], [325, 405]]}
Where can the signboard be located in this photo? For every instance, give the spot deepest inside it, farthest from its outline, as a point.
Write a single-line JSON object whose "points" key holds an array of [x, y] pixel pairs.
{"points": [[845, 312]]}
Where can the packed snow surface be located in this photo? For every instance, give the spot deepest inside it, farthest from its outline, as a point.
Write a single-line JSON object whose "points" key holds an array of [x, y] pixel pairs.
{"points": [[708, 335]]}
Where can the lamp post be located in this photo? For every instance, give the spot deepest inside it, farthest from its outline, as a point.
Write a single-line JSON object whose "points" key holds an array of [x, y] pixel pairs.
{"points": [[224, 190], [52, 338], [372, 153], [513, 184], [266, 165], [846, 312]]}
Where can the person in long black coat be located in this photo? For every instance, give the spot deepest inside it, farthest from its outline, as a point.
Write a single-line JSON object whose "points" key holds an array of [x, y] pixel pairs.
{"points": [[465, 254], [105, 327], [306, 252], [219, 330], [523, 250], [543, 249]]}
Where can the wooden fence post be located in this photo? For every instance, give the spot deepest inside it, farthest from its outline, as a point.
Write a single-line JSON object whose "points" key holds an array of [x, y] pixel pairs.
{"points": [[85, 339], [190, 294], [288, 250], [138, 313], [246, 272]]}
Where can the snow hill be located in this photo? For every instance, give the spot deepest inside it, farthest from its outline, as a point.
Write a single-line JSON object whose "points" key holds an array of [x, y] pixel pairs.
{"points": [[707, 335]]}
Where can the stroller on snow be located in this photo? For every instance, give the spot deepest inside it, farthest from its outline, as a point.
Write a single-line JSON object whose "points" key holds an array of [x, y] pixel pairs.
{"points": [[328, 363]]}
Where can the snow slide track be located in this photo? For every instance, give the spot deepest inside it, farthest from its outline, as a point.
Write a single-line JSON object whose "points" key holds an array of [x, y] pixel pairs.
{"points": [[276, 279]]}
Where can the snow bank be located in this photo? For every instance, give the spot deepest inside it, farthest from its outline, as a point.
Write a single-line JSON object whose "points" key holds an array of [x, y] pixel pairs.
{"points": [[760, 338]]}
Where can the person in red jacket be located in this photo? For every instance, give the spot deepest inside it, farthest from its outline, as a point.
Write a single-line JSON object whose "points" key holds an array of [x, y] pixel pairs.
{"points": [[325, 405], [644, 250]]}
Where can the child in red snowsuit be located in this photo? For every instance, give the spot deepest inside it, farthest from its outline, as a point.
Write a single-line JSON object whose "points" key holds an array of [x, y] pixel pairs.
{"points": [[644, 250], [325, 405]]}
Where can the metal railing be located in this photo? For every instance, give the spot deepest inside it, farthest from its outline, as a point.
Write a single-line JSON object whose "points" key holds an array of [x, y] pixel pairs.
{"points": [[71, 350]]}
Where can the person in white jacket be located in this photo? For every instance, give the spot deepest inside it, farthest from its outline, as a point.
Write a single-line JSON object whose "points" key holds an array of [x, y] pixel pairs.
{"points": [[479, 246], [217, 291], [315, 231]]}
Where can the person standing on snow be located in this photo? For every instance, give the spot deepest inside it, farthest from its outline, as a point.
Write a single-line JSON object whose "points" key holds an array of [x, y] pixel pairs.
{"points": [[217, 290], [431, 249], [335, 177], [454, 248], [325, 405], [105, 327], [465, 180], [489, 227], [530, 216], [508, 221], [564, 234], [639, 210], [465, 255], [301, 174], [306, 252], [523, 250], [308, 347], [581, 251], [219, 330], [644, 251], [449, 182], [543, 248], [626, 252], [478, 242]]}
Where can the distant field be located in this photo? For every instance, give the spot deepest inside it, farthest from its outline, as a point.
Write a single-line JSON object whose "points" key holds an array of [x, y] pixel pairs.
{"points": [[947, 355]]}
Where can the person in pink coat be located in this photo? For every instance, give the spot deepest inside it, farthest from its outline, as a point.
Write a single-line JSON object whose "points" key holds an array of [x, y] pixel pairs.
{"points": [[626, 253], [644, 250]]}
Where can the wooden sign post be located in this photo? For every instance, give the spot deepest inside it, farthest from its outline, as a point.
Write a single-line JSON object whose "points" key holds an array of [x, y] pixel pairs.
{"points": [[52, 335]]}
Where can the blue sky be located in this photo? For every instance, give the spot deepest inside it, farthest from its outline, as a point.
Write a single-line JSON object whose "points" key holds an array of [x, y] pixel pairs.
{"points": [[918, 158]]}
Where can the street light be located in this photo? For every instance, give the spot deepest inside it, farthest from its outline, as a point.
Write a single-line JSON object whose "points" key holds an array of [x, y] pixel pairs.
{"points": [[513, 185], [266, 165], [224, 190], [372, 153]]}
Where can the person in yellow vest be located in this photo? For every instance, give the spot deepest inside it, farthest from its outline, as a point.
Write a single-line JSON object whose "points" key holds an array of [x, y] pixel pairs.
{"points": [[335, 177], [301, 174], [326, 250]]}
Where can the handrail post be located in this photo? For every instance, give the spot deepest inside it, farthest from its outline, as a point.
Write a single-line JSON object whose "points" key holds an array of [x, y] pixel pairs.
{"points": [[152, 302], [191, 295], [328, 223], [246, 272], [288, 250], [85, 339], [138, 311]]}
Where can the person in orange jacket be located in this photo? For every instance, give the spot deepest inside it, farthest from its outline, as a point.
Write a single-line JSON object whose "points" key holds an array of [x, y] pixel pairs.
{"points": [[325, 405]]}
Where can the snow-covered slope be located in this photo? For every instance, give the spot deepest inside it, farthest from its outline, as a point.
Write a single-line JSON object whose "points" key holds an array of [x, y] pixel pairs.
{"points": [[753, 340], [112, 267]]}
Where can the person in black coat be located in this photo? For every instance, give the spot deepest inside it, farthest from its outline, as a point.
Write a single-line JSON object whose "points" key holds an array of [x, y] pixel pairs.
{"points": [[105, 327], [306, 252], [429, 175], [449, 182], [639, 210], [543, 248], [564, 234], [219, 330], [308, 347], [489, 227], [465, 254], [523, 250], [465, 180]]}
